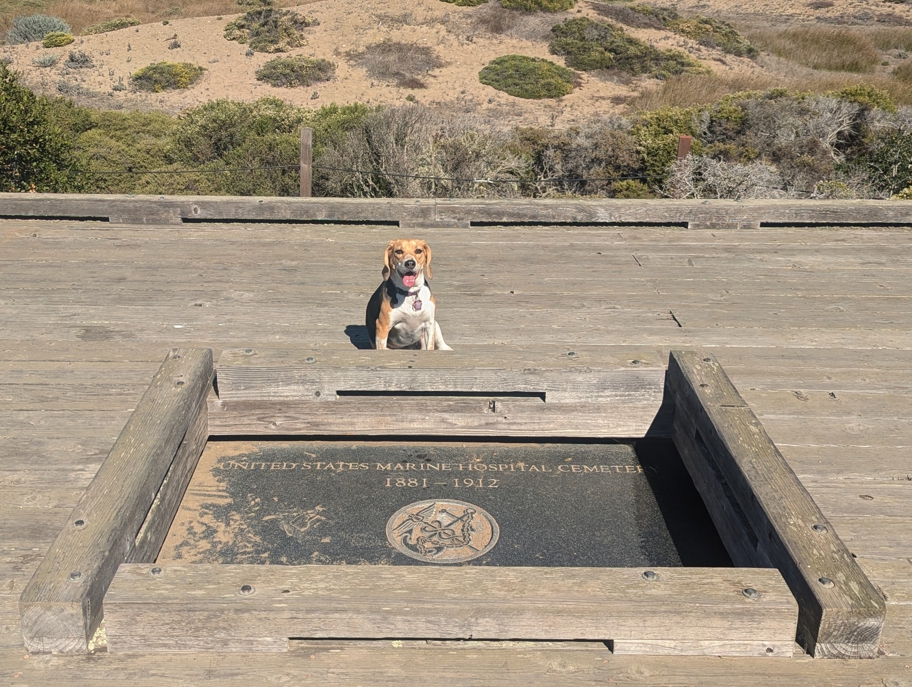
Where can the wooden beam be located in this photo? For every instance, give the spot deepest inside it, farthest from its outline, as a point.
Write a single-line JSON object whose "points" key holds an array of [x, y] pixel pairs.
{"points": [[306, 161], [61, 606], [428, 213], [409, 416], [841, 612], [258, 608], [312, 383]]}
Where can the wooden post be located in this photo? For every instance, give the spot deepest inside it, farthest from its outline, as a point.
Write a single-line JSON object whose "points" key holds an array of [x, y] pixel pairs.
{"points": [[684, 146], [306, 161]]}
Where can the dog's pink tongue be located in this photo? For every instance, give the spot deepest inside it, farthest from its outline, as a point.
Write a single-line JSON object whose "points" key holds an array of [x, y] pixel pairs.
{"points": [[409, 280]]}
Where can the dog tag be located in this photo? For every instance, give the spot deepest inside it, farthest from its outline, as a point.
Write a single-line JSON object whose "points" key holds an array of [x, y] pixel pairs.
{"points": [[416, 305]]}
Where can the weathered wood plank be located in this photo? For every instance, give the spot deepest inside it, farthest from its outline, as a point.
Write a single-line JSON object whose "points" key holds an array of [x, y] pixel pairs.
{"points": [[425, 213], [313, 383], [161, 513], [841, 612], [206, 607], [484, 417], [61, 606]]}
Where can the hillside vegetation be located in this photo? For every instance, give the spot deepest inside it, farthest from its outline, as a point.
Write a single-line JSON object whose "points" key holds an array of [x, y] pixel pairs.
{"points": [[436, 101]]}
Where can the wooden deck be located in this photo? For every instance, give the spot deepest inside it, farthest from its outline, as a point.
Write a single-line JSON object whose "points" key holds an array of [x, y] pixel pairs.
{"points": [[813, 325]]}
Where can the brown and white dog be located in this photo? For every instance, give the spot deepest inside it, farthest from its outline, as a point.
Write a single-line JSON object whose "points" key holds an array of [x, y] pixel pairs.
{"points": [[401, 313]]}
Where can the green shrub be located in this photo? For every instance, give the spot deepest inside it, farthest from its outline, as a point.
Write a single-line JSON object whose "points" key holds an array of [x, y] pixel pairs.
{"points": [[869, 97], [527, 77], [163, 76], [295, 71], [57, 39], [34, 154], [887, 163], [34, 28], [631, 188], [589, 45], [713, 33], [539, 5], [270, 30], [112, 25], [657, 133]]}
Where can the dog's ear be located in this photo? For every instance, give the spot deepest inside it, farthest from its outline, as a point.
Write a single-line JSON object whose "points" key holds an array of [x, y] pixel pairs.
{"points": [[388, 260], [427, 261]]}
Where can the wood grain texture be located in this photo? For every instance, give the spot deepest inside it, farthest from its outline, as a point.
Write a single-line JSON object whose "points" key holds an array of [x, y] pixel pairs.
{"points": [[434, 416], [61, 605], [204, 607], [700, 214], [842, 614]]}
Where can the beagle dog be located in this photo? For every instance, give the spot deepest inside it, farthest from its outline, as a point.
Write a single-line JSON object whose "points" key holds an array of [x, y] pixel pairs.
{"points": [[401, 312]]}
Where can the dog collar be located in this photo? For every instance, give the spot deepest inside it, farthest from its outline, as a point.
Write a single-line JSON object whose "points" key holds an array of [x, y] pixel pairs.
{"points": [[416, 304]]}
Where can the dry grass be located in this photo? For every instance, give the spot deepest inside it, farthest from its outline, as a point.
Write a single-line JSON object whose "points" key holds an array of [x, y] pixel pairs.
{"points": [[904, 72], [830, 49], [405, 64], [494, 19], [689, 90], [894, 38]]}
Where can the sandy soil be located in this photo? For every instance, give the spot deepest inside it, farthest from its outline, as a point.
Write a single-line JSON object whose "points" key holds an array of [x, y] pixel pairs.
{"points": [[351, 25]]}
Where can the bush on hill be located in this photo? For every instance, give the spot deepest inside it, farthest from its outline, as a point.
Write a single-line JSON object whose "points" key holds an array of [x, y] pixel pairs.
{"points": [[111, 25], [57, 39], [528, 77], [539, 5], [270, 30], [289, 72], [165, 76], [34, 28], [589, 45]]}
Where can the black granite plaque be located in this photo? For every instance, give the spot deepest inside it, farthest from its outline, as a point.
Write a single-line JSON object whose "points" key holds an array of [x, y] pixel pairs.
{"points": [[386, 503]]}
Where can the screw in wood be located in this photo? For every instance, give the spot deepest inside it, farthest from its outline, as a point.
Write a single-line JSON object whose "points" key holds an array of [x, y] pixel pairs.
{"points": [[819, 528], [310, 359], [571, 354], [179, 382], [75, 576], [769, 650], [79, 524], [751, 593], [826, 582], [649, 575], [155, 571], [707, 360], [704, 386], [636, 362], [246, 590]]}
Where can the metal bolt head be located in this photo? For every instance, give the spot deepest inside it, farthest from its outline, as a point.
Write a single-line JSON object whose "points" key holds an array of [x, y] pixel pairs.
{"points": [[826, 582], [310, 359], [75, 576], [751, 593], [79, 524], [819, 528], [246, 590], [571, 354], [707, 360], [650, 575], [155, 571]]}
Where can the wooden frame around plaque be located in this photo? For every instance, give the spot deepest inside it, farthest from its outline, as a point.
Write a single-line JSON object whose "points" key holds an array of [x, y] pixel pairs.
{"points": [[102, 563]]}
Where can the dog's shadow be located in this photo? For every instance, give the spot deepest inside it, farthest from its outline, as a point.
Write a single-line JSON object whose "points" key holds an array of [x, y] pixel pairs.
{"points": [[357, 334]]}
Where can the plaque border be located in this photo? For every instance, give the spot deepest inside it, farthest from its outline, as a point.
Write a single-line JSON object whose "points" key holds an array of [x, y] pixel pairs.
{"points": [[767, 520]]}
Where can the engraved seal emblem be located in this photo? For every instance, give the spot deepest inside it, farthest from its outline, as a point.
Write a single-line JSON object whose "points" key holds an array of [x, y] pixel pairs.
{"points": [[442, 531]]}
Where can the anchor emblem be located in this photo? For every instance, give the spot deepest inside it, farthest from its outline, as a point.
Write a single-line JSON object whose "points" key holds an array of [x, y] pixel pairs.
{"points": [[442, 531]]}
